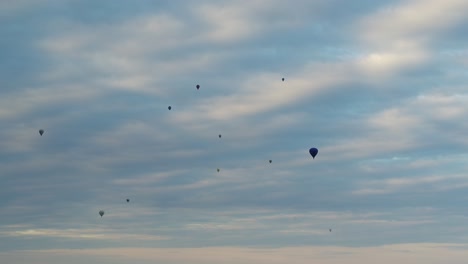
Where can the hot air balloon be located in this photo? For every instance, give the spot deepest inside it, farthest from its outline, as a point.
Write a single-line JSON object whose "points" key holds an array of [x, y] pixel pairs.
{"points": [[270, 161], [313, 152], [41, 131], [329, 229], [218, 170], [128, 200], [219, 136], [198, 86], [101, 213], [169, 107], [282, 79]]}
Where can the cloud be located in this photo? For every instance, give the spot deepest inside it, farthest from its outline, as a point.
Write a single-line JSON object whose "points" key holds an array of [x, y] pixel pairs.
{"points": [[417, 253], [394, 24], [81, 234], [9, 9], [377, 87]]}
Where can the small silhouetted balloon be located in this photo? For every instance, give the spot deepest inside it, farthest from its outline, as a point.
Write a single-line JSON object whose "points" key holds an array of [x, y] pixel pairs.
{"points": [[101, 213], [282, 79], [218, 170], [270, 161], [128, 200], [313, 152], [219, 136], [41, 131], [198, 86], [169, 108], [330, 230]]}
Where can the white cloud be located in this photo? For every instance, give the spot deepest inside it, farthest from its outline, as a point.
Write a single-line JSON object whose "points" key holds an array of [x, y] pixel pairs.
{"points": [[87, 234], [235, 21], [16, 105], [392, 185], [416, 20]]}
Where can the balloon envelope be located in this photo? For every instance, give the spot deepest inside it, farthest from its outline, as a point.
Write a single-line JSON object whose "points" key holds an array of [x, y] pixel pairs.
{"points": [[282, 79], [101, 213], [198, 86], [169, 108], [41, 131], [128, 200], [313, 152], [270, 161]]}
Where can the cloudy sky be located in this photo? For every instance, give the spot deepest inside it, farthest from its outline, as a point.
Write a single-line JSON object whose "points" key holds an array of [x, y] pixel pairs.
{"points": [[379, 87]]}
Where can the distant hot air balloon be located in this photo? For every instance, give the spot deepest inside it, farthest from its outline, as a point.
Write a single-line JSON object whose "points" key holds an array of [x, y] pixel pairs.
{"points": [[128, 200], [219, 136], [101, 213], [329, 229], [282, 79], [218, 170], [313, 152], [198, 86], [169, 108], [41, 131], [270, 161]]}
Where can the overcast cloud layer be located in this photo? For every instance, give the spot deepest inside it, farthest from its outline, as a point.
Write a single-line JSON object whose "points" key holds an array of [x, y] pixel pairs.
{"points": [[379, 87]]}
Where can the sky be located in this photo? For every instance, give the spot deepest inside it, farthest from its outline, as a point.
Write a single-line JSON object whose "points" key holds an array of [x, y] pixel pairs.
{"points": [[379, 87]]}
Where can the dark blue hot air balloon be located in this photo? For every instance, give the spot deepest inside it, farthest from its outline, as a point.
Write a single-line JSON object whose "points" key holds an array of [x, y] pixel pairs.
{"points": [[313, 152]]}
